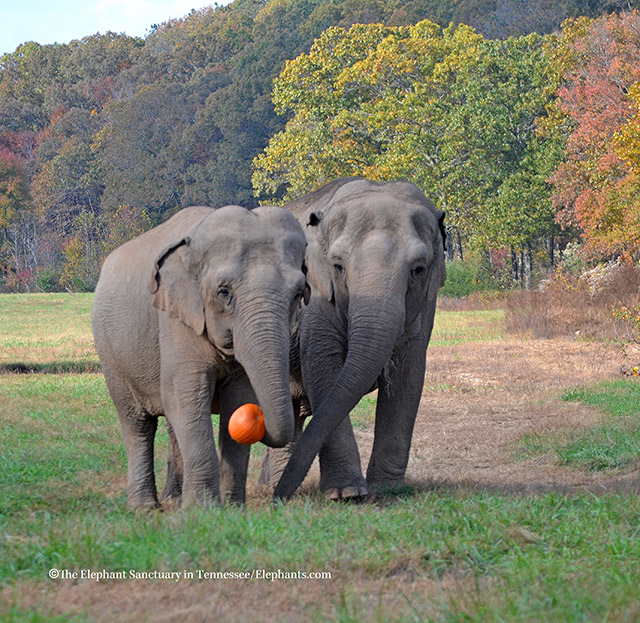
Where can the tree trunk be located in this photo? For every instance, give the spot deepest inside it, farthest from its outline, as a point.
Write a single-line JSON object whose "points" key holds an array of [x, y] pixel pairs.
{"points": [[514, 266], [528, 266]]}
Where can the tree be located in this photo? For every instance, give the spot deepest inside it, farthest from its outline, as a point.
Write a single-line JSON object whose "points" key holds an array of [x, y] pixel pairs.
{"points": [[598, 63], [67, 186], [14, 188], [445, 108], [17, 232], [140, 153]]}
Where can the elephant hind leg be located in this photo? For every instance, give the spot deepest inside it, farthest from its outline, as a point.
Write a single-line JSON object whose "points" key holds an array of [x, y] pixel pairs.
{"points": [[139, 434], [138, 431], [172, 492], [234, 457], [276, 459]]}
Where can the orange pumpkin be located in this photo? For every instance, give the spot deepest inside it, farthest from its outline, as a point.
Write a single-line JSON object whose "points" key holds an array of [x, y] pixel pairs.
{"points": [[246, 424]]}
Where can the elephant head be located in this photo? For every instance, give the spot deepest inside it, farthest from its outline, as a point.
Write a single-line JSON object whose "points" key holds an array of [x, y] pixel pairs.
{"points": [[237, 279], [375, 253]]}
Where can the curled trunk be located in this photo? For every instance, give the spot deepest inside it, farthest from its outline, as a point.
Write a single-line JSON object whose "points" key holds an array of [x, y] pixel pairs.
{"points": [[375, 324]]}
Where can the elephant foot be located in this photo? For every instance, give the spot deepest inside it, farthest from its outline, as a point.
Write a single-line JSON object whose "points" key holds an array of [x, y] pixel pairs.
{"points": [[343, 491], [143, 506], [347, 493]]}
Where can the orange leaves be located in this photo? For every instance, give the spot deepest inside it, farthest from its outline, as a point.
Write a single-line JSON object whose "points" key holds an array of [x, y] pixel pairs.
{"points": [[597, 187]]}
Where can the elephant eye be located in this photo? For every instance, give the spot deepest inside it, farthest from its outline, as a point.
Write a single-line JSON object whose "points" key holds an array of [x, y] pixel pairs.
{"points": [[225, 294], [418, 270], [339, 268]]}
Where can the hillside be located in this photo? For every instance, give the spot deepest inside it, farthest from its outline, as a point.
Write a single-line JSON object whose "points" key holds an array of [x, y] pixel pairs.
{"points": [[102, 137]]}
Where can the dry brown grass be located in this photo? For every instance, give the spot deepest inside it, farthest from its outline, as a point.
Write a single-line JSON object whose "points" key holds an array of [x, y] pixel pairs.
{"points": [[286, 601], [570, 305], [481, 398]]}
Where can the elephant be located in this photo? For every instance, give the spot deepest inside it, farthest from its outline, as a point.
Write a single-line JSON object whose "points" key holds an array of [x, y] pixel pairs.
{"points": [[194, 317], [375, 262]]}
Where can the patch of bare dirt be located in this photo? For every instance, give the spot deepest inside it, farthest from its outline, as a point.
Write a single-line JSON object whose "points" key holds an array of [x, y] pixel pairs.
{"points": [[480, 399]]}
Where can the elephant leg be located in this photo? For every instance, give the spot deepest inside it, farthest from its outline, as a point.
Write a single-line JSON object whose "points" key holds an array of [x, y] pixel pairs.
{"points": [[340, 469], [276, 459], [324, 349], [139, 434], [234, 457], [187, 397], [138, 431], [175, 469], [398, 401]]}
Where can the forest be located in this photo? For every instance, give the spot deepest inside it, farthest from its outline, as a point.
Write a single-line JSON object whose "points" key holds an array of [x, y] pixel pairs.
{"points": [[521, 121]]}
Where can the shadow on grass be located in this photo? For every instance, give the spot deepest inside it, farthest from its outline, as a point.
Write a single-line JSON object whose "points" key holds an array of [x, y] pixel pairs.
{"points": [[52, 367], [625, 483]]}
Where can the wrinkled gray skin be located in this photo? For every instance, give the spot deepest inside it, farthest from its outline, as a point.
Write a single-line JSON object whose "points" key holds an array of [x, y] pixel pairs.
{"points": [[375, 262], [194, 317]]}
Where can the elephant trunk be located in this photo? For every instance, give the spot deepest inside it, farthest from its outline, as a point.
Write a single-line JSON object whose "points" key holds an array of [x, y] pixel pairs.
{"points": [[261, 345], [375, 324]]}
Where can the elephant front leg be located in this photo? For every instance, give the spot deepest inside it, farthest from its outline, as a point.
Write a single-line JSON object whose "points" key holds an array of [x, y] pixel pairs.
{"points": [[398, 401], [340, 469], [187, 400], [234, 457]]}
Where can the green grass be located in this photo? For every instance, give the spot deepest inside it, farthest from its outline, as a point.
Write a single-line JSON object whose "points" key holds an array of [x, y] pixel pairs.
{"points": [[364, 413], [461, 327], [47, 332], [544, 558], [613, 443]]}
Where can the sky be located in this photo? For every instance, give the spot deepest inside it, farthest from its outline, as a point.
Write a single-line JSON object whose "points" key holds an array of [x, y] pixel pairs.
{"points": [[60, 21]]}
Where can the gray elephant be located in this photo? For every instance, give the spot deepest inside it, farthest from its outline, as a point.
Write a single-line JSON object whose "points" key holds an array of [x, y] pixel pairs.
{"points": [[375, 260], [194, 317]]}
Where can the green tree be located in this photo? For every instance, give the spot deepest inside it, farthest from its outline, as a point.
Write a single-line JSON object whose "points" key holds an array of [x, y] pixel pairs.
{"points": [[67, 186], [141, 156], [445, 108]]}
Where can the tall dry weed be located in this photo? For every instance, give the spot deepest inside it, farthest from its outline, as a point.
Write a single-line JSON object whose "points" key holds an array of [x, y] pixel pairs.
{"points": [[583, 305]]}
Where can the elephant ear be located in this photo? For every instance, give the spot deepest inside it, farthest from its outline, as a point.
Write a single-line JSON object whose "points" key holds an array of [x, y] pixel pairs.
{"points": [[438, 271], [174, 286], [318, 269]]}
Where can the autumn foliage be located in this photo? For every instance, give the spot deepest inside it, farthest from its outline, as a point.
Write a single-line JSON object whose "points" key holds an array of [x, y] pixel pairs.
{"points": [[597, 187], [526, 132]]}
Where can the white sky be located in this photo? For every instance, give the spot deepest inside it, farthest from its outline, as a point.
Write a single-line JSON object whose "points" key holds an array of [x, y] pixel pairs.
{"points": [[60, 21]]}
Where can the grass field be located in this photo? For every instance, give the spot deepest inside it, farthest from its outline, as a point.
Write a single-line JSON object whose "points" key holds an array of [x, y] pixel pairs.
{"points": [[47, 332], [424, 552]]}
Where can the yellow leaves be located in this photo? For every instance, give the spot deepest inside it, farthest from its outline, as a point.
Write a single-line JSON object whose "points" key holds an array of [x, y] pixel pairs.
{"points": [[627, 139], [439, 107]]}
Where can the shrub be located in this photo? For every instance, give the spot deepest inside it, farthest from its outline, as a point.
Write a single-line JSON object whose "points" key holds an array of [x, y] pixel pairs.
{"points": [[577, 305], [465, 278]]}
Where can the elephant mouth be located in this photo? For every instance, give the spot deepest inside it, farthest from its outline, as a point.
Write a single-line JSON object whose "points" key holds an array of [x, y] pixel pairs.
{"points": [[226, 349]]}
